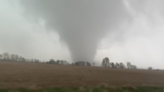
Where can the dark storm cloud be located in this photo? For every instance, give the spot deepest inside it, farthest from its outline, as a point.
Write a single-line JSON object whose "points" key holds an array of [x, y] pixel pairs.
{"points": [[81, 24]]}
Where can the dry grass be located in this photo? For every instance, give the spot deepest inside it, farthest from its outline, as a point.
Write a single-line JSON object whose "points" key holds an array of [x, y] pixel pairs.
{"points": [[33, 76]]}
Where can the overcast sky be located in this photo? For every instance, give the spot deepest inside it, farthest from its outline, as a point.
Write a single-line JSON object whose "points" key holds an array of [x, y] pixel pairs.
{"points": [[140, 41]]}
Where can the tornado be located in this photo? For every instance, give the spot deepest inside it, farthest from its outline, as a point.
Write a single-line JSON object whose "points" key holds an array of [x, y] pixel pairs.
{"points": [[81, 24]]}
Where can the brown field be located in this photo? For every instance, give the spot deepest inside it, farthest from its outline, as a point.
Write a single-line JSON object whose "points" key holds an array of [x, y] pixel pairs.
{"points": [[32, 75]]}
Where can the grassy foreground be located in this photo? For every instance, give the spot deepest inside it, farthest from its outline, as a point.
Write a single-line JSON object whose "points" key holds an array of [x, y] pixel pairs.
{"points": [[90, 89]]}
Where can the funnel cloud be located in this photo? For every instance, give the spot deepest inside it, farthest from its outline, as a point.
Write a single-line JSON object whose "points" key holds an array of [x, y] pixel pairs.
{"points": [[81, 24]]}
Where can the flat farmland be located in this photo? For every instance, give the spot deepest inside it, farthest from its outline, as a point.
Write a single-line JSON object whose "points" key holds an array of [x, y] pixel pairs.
{"points": [[33, 75]]}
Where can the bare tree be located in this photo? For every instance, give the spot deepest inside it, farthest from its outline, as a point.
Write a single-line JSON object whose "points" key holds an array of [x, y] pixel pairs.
{"points": [[16, 57], [13, 57], [122, 65], [113, 65], [128, 65], [52, 61], [58, 62], [21, 59], [88, 64], [1, 56], [80, 63], [6, 56], [106, 62], [117, 65], [62, 62], [65, 62]]}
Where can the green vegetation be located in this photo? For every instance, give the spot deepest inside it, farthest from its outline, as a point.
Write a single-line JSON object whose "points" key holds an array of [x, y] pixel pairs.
{"points": [[90, 89]]}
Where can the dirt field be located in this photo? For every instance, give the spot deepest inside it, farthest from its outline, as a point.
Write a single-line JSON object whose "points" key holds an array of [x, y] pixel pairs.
{"points": [[31, 75]]}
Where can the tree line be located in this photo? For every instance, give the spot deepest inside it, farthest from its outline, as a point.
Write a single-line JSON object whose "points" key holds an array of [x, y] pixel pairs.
{"points": [[16, 58], [13, 57], [105, 62]]}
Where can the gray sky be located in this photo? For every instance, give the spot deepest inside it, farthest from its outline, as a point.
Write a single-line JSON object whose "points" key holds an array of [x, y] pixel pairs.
{"points": [[139, 41]]}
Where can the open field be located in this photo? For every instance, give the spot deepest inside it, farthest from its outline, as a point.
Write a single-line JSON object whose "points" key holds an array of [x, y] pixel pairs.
{"points": [[32, 75]]}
